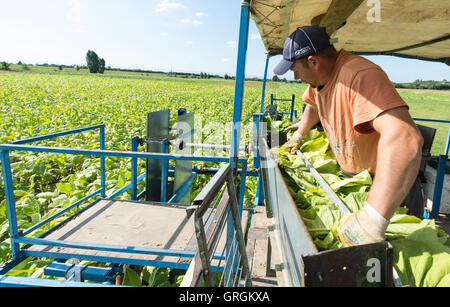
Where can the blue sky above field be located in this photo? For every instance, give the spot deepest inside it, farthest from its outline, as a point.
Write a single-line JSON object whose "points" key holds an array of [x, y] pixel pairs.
{"points": [[179, 35]]}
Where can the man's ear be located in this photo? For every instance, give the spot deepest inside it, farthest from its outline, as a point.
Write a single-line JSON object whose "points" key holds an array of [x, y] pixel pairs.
{"points": [[313, 61]]}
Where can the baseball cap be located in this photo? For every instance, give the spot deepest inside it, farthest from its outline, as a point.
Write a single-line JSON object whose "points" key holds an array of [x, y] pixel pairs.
{"points": [[303, 42]]}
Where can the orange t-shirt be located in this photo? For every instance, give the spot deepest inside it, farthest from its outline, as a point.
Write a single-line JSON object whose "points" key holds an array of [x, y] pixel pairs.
{"points": [[357, 92]]}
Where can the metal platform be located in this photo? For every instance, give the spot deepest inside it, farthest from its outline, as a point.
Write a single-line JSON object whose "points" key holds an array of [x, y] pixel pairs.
{"points": [[130, 224]]}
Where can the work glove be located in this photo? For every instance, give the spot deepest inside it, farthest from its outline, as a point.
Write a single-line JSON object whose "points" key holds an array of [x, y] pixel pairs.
{"points": [[294, 127], [294, 143], [364, 227]]}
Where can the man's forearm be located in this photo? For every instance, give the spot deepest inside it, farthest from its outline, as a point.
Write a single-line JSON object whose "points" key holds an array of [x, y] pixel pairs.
{"points": [[398, 162], [394, 178], [310, 118]]}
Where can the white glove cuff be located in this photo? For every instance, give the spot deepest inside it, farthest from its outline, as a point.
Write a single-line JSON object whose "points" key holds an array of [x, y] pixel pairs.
{"points": [[297, 136], [376, 217]]}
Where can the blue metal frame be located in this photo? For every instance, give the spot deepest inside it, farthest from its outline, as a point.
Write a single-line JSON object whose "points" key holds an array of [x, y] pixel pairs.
{"points": [[440, 175], [134, 162], [263, 96], [239, 84], [18, 237], [257, 121], [14, 281], [292, 101]]}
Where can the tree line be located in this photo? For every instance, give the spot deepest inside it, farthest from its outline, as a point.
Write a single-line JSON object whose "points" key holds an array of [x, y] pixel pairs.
{"points": [[95, 64], [425, 85]]}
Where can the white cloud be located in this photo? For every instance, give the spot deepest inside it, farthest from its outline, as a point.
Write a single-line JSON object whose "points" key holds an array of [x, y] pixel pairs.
{"points": [[232, 44], [166, 5], [225, 60], [190, 21], [200, 14]]}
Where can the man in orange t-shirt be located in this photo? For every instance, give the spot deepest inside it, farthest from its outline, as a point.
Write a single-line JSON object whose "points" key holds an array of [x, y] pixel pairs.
{"points": [[366, 121]]}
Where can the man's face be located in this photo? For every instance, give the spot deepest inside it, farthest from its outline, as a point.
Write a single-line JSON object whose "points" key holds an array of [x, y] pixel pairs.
{"points": [[305, 72]]}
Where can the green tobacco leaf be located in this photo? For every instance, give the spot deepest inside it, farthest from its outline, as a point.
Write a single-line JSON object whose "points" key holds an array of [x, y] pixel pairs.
{"points": [[420, 258], [159, 277], [131, 278], [315, 147], [355, 201], [65, 188], [363, 178], [30, 206]]}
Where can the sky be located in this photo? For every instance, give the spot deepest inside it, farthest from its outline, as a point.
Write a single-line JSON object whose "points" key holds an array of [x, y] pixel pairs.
{"points": [[166, 35]]}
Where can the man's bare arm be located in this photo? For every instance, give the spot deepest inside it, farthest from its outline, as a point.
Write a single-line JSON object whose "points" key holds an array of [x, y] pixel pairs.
{"points": [[398, 160], [309, 118]]}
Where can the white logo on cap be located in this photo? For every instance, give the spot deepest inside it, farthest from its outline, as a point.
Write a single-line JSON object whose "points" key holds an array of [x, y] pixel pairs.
{"points": [[303, 50]]}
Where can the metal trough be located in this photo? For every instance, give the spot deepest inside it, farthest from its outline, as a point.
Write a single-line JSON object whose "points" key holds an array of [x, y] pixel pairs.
{"points": [[302, 264]]}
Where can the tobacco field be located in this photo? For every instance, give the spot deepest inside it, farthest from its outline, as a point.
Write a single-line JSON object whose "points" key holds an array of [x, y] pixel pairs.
{"points": [[38, 104]]}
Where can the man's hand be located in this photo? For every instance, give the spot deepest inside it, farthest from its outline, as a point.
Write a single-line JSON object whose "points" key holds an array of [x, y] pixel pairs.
{"points": [[364, 227], [292, 128], [294, 144]]}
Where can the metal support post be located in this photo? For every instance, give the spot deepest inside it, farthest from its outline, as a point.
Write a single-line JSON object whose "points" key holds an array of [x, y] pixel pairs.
{"points": [[164, 169], [242, 188], [292, 108], [103, 161], [10, 202], [438, 186], [134, 147], [264, 84], [239, 84], [257, 121], [238, 228], [447, 144]]}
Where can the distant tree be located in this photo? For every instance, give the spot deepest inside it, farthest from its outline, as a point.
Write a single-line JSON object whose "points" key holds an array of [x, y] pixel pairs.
{"points": [[275, 78], [60, 67], [92, 62], [101, 66], [5, 66]]}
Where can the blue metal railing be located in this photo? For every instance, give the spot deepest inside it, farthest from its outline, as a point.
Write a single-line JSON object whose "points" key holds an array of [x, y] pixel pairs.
{"points": [[9, 189], [18, 237], [291, 113]]}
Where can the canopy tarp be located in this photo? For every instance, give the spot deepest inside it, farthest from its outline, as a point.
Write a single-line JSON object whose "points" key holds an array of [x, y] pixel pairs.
{"points": [[406, 28]]}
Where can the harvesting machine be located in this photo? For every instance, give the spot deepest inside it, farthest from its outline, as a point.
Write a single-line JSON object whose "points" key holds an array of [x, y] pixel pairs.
{"points": [[212, 238]]}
